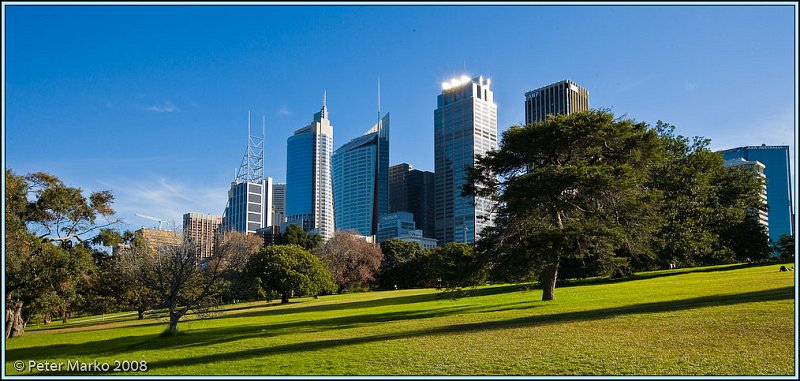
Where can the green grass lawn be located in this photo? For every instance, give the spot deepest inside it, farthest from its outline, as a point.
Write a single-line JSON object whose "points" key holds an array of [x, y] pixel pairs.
{"points": [[723, 320]]}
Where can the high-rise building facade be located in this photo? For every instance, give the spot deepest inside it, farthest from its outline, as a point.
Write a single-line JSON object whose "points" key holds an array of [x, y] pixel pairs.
{"points": [[757, 169], [561, 98], [361, 180], [249, 206], [412, 190], [278, 203], [201, 230], [465, 125], [779, 179], [400, 225], [309, 189], [158, 237]]}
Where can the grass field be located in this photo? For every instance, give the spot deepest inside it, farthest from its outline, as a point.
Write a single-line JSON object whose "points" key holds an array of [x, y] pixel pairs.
{"points": [[723, 320]]}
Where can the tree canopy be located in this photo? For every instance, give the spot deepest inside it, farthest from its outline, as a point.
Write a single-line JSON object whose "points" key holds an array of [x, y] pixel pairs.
{"points": [[48, 264], [705, 206], [284, 270], [567, 187], [403, 265], [353, 261], [295, 235], [785, 248]]}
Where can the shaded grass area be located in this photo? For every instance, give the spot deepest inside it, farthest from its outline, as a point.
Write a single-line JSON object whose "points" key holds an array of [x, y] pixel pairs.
{"points": [[722, 320]]}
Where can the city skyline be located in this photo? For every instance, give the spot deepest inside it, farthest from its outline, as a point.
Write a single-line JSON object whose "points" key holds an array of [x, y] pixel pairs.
{"points": [[157, 102]]}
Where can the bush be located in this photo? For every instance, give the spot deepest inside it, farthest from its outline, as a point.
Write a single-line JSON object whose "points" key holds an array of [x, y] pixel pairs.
{"points": [[288, 270]]}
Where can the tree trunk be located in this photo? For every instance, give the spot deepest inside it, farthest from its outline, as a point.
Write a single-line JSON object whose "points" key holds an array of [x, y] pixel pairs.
{"points": [[548, 280], [65, 317], [284, 297], [173, 323], [174, 316], [141, 313], [15, 325]]}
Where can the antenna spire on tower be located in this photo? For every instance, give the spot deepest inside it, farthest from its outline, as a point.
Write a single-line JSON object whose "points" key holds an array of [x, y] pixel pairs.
{"points": [[252, 167], [263, 136]]}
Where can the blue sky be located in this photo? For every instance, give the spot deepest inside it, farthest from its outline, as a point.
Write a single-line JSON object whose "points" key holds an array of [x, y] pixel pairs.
{"points": [[151, 102]]}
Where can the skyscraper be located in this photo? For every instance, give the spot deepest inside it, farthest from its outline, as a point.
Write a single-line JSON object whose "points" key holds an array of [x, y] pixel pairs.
{"points": [[465, 124], [249, 206], [201, 230], [278, 203], [361, 180], [779, 179], [309, 193], [412, 190], [564, 97]]}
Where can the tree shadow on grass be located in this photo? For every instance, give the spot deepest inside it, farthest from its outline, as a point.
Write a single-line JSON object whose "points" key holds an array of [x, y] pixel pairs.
{"points": [[98, 326], [218, 335], [378, 302], [655, 274], [211, 336], [528, 321]]}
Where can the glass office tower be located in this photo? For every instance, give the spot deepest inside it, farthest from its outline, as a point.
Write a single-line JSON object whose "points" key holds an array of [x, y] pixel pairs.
{"points": [[278, 203], [412, 190], [309, 195], [361, 180], [779, 180], [465, 124]]}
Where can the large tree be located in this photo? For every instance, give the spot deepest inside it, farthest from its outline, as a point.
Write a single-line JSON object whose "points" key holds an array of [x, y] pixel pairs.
{"points": [[352, 260], [284, 270], [46, 264], [182, 279], [244, 246], [705, 205], [295, 235], [567, 187], [454, 265], [402, 265], [107, 286]]}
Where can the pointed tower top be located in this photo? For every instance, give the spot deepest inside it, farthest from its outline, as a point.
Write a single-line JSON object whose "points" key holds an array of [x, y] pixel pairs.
{"points": [[323, 114]]}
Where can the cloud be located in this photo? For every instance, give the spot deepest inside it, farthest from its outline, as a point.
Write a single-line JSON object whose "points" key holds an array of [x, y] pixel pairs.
{"points": [[690, 86], [166, 107], [165, 199], [284, 111]]}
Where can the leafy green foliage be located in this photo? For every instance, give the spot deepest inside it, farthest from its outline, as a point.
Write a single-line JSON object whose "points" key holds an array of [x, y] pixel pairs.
{"points": [[283, 270], [60, 213], [403, 265], [454, 265], [705, 206], [785, 248], [48, 271], [295, 235], [572, 186]]}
